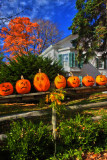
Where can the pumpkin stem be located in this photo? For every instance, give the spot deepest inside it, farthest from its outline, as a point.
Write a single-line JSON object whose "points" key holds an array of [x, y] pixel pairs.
{"points": [[71, 74], [22, 77], [39, 70], [87, 75], [58, 74]]}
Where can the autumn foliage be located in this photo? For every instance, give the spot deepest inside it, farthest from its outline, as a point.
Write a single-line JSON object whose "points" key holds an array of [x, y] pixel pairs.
{"points": [[21, 36]]}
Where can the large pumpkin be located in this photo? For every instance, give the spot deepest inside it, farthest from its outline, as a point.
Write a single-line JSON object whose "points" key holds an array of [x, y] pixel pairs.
{"points": [[6, 89], [73, 81], [101, 80], [88, 81], [41, 82], [23, 86], [60, 81]]}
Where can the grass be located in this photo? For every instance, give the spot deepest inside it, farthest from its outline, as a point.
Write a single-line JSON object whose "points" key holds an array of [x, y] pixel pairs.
{"points": [[95, 98], [102, 111], [14, 108]]}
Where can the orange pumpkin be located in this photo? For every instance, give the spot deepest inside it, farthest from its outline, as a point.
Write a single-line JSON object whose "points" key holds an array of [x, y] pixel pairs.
{"points": [[23, 86], [101, 80], [88, 81], [60, 81], [6, 89], [41, 82], [73, 81]]}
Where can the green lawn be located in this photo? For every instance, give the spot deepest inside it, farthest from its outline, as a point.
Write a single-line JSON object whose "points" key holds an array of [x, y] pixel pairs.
{"points": [[13, 108]]}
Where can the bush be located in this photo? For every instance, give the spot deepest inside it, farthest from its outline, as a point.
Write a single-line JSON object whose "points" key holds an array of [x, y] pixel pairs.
{"points": [[29, 141], [80, 135], [28, 66]]}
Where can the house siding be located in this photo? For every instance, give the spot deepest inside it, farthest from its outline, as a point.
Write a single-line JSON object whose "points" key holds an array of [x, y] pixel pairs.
{"points": [[65, 47]]}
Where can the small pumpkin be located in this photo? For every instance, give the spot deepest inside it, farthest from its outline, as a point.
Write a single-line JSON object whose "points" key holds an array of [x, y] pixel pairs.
{"points": [[41, 82], [6, 89], [73, 81], [88, 81], [60, 81], [101, 80], [23, 86]]}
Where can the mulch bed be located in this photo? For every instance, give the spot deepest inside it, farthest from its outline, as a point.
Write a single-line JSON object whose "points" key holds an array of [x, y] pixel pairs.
{"points": [[93, 156]]}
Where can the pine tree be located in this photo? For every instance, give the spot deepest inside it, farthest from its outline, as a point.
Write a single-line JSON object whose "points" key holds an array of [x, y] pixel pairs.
{"points": [[90, 23], [28, 65]]}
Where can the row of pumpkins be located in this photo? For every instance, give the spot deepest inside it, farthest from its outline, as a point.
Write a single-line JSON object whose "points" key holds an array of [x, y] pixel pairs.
{"points": [[41, 83]]}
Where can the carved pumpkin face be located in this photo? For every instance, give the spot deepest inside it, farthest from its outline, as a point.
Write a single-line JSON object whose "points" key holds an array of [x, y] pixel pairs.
{"points": [[60, 81], [23, 86], [88, 81], [101, 80], [73, 81], [6, 89], [41, 82]]}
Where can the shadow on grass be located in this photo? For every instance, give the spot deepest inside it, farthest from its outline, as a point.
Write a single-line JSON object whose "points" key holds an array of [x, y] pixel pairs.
{"points": [[88, 101]]}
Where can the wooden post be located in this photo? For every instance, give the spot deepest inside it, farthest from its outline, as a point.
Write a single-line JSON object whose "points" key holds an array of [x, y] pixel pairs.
{"points": [[54, 122], [54, 128]]}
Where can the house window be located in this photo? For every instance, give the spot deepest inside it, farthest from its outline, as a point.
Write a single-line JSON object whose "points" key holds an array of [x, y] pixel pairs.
{"points": [[65, 60], [69, 60], [99, 63], [73, 61]]}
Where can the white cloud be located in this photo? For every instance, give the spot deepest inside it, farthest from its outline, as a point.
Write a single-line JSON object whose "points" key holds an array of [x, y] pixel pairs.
{"points": [[42, 2], [61, 2], [23, 3]]}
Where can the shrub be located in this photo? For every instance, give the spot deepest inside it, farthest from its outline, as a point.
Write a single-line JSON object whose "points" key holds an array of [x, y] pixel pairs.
{"points": [[28, 66], [81, 135], [29, 141]]}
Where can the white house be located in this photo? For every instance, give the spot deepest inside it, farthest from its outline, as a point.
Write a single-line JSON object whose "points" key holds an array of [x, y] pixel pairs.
{"points": [[65, 52]]}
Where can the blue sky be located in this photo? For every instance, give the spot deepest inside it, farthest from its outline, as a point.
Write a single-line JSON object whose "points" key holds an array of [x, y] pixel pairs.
{"points": [[59, 11]]}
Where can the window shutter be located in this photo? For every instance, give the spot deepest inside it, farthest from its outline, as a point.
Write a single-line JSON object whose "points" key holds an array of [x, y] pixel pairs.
{"points": [[76, 61], [70, 60], [105, 63], [81, 64], [60, 59], [80, 77], [97, 63], [73, 59]]}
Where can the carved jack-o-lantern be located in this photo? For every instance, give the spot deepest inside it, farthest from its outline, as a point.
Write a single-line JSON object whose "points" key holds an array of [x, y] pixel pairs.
{"points": [[88, 81], [41, 82], [23, 86], [101, 80], [73, 81], [6, 89], [60, 81]]}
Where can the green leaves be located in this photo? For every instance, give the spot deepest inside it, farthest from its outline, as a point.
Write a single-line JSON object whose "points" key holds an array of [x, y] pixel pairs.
{"points": [[28, 141], [90, 25], [81, 133]]}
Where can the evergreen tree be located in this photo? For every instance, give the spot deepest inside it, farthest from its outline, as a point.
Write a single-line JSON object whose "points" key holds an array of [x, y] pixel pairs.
{"points": [[28, 65], [90, 23], [1, 58]]}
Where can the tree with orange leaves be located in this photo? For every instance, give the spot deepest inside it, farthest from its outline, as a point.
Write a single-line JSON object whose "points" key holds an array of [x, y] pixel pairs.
{"points": [[21, 36]]}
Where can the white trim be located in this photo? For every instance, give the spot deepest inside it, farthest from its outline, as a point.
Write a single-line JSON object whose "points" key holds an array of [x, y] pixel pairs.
{"points": [[70, 37], [46, 50], [64, 49]]}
